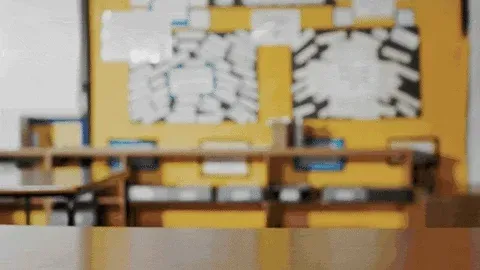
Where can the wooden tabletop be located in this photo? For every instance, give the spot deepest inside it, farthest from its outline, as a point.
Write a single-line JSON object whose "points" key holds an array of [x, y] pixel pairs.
{"points": [[139, 248], [37, 182]]}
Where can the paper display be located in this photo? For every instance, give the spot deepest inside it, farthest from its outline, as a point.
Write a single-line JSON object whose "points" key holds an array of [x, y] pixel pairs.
{"points": [[367, 9], [211, 78], [225, 166], [276, 27], [357, 74], [136, 36]]}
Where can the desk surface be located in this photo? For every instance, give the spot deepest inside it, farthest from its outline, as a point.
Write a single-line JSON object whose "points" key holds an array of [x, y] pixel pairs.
{"points": [[142, 248], [41, 182]]}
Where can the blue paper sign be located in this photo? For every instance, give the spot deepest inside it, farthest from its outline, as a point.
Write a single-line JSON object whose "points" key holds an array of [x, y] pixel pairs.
{"points": [[323, 164], [137, 163]]}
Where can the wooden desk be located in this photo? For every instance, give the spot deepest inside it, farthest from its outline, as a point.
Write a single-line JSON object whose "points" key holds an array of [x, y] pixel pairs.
{"points": [[286, 249], [39, 183]]}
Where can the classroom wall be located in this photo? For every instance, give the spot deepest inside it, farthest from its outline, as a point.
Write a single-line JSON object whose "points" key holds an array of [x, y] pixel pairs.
{"points": [[444, 56]]}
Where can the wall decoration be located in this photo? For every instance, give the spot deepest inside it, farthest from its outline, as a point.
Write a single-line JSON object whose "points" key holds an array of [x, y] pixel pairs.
{"points": [[357, 74], [211, 78], [316, 164]]}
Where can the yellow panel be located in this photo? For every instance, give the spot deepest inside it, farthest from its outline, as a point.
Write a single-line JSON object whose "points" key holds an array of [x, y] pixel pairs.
{"points": [[68, 175], [213, 219], [400, 3], [317, 17], [343, 3], [274, 76], [369, 23], [67, 134], [405, 3], [360, 219], [37, 217], [231, 19]]}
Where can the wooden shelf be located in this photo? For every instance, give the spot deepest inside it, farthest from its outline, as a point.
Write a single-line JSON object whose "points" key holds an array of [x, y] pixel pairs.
{"points": [[197, 153], [201, 205], [25, 153], [357, 206], [39, 202]]}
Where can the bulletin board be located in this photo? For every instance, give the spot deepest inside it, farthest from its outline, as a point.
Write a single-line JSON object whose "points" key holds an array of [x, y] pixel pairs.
{"points": [[441, 110]]}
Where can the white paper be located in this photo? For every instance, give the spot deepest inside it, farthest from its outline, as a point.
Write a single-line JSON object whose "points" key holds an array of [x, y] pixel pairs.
{"points": [[406, 17], [199, 3], [366, 9], [177, 10], [139, 192], [191, 80], [224, 2], [304, 39], [240, 195], [344, 195], [426, 147], [139, 3], [405, 38], [343, 17], [289, 195], [188, 195], [135, 36], [199, 18], [225, 166], [276, 27]]}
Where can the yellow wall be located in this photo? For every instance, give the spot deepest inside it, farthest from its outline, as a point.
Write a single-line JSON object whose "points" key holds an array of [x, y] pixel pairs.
{"points": [[444, 53]]}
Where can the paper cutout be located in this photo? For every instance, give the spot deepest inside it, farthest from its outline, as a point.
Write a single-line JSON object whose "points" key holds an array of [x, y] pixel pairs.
{"points": [[276, 27], [225, 166], [136, 36], [367, 74], [373, 9]]}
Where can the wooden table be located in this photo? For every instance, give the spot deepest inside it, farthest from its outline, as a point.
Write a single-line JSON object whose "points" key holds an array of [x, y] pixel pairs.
{"points": [[40, 183], [286, 249]]}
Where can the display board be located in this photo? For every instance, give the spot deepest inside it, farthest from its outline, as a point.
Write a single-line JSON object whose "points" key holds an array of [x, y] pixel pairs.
{"points": [[442, 84]]}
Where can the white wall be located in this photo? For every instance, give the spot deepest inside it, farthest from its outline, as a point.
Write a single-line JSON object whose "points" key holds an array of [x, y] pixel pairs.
{"points": [[473, 144], [41, 57], [43, 63]]}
